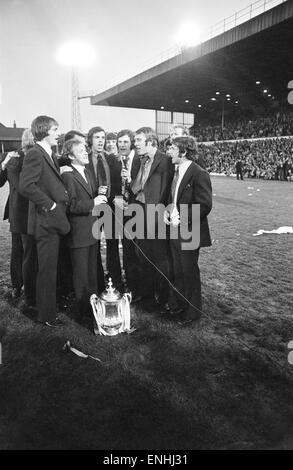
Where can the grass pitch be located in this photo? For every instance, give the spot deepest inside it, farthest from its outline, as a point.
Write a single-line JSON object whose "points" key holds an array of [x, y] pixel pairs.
{"points": [[224, 383]]}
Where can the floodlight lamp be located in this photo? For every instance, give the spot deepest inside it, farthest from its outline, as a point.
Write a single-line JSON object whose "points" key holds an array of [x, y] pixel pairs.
{"points": [[76, 54], [217, 93], [188, 35], [265, 91]]}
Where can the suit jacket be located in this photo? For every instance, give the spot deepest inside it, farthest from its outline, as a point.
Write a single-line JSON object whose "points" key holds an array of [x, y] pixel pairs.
{"points": [[41, 183], [17, 207], [3, 180], [81, 204], [158, 184], [115, 175], [196, 188]]}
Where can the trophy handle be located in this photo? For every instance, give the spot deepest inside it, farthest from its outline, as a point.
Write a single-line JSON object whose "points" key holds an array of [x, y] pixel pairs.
{"points": [[128, 295], [126, 299], [98, 312]]}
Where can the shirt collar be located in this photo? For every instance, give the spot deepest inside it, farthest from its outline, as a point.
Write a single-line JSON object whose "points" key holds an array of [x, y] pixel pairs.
{"points": [[183, 166], [78, 167], [46, 147], [129, 156]]}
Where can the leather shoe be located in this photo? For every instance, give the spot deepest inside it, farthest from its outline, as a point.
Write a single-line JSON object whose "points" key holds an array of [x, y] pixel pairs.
{"points": [[176, 311], [188, 321], [136, 299], [53, 323], [165, 308], [139, 298]]}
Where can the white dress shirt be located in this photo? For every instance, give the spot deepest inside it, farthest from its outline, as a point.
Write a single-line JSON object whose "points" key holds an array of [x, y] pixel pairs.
{"points": [[182, 168], [80, 169], [47, 148]]}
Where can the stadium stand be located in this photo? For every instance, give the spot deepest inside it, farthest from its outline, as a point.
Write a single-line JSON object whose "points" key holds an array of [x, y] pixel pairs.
{"points": [[268, 158], [270, 125]]}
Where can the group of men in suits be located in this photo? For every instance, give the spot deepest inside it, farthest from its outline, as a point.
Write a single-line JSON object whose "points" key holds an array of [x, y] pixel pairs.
{"points": [[60, 205]]}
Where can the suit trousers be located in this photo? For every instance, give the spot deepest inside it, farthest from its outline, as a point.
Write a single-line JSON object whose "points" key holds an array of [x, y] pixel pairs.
{"points": [[131, 266], [100, 270], [112, 254], [16, 261], [29, 268], [113, 261], [64, 270], [186, 278], [154, 266], [47, 249], [84, 265]]}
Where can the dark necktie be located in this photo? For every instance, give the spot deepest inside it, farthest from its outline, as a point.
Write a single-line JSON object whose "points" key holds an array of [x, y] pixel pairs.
{"points": [[174, 184], [88, 178], [138, 183], [101, 174], [55, 162]]}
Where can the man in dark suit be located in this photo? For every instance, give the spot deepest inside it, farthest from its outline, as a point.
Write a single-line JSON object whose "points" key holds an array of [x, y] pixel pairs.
{"points": [[41, 183], [128, 166], [64, 271], [23, 255], [80, 185], [106, 172], [10, 159], [191, 185], [152, 176]]}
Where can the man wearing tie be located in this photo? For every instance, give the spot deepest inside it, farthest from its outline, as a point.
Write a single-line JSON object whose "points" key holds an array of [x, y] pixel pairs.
{"points": [[191, 185], [128, 163], [41, 183], [106, 172], [83, 246], [151, 183]]}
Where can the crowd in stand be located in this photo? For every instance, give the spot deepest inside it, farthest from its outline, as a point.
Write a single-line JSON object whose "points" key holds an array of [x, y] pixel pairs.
{"points": [[274, 125], [270, 159]]}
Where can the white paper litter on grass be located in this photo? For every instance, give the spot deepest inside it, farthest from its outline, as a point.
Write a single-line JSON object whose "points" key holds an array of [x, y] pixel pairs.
{"points": [[250, 187], [279, 230], [67, 345], [250, 194], [258, 189]]}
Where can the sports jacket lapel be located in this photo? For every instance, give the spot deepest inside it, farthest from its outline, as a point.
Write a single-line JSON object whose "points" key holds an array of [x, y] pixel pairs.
{"points": [[184, 181], [84, 184], [50, 161], [156, 161]]}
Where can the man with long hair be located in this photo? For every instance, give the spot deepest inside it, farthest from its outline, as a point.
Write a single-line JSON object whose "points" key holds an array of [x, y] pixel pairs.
{"points": [[191, 186], [40, 182]]}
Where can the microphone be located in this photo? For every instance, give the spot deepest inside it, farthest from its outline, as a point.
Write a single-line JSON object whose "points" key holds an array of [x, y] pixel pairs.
{"points": [[124, 162]]}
